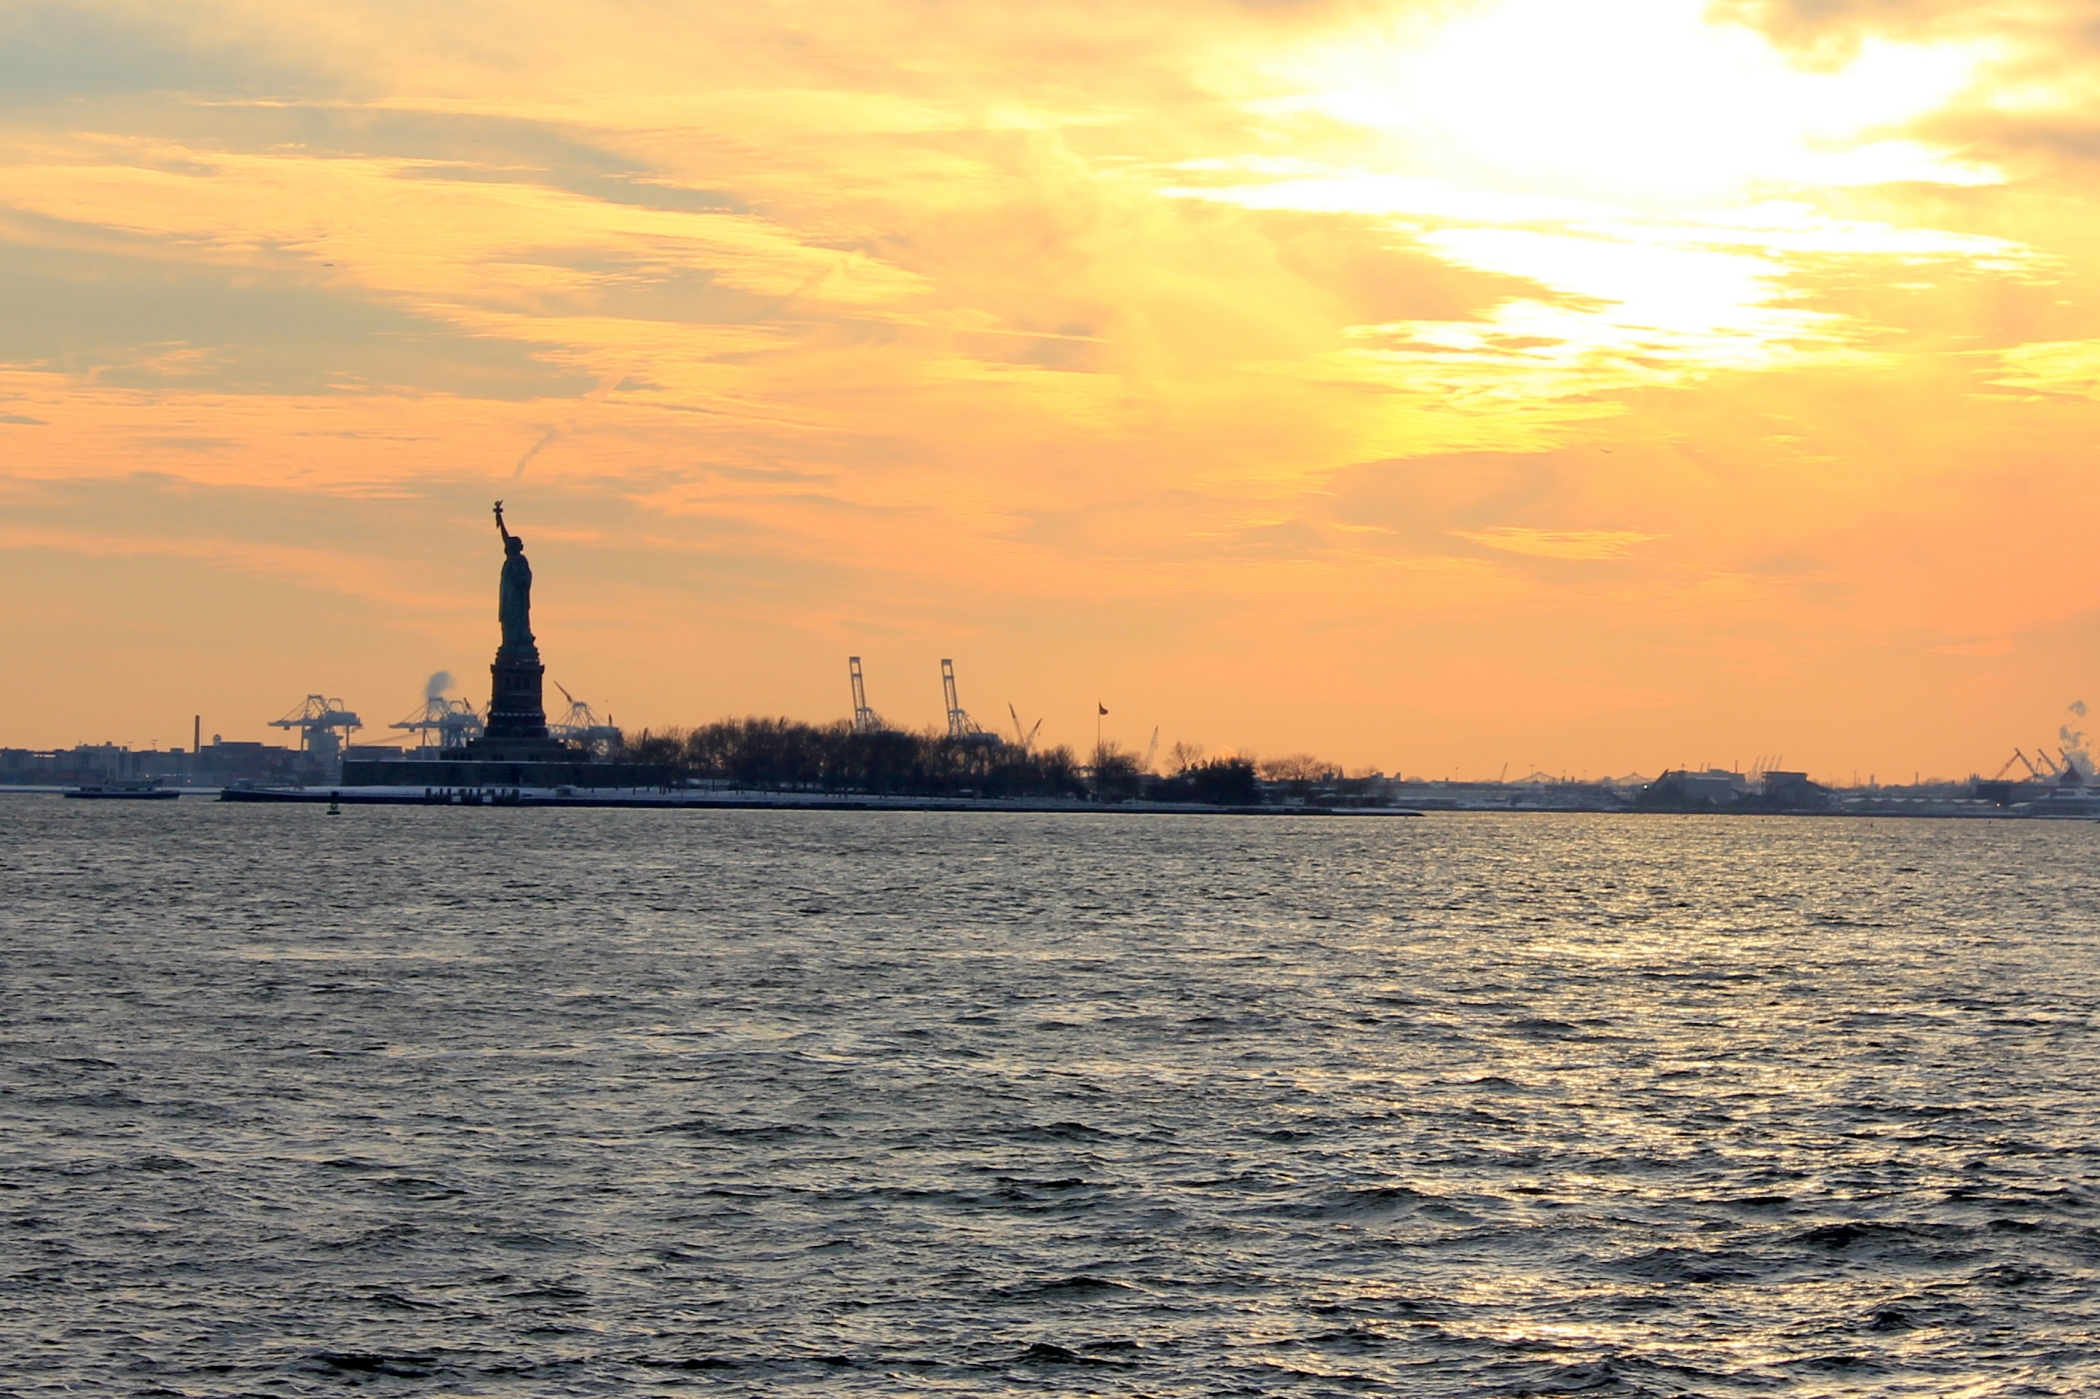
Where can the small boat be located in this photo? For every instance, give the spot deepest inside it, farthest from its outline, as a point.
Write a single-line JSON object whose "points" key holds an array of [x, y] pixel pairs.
{"points": [[147, 790]]}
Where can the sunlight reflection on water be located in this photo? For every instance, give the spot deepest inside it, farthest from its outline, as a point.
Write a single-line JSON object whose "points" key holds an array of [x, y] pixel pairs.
{"points": [[527, 1102]]}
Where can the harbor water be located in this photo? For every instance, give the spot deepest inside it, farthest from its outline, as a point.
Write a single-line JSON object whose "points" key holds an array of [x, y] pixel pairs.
{"points": [[487, 1101]]}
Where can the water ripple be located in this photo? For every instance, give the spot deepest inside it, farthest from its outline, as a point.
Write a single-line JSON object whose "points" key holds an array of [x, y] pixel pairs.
{"points": [[524, 1102]]}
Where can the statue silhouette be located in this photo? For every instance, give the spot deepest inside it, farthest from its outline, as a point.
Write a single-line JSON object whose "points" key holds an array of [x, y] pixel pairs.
{"points": [[514, 602]]}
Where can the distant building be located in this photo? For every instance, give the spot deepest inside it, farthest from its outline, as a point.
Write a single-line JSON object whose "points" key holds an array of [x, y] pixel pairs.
{"points": [[91, 762], [214, 765], [222, 762], [1792, 791], [1715, 789]]}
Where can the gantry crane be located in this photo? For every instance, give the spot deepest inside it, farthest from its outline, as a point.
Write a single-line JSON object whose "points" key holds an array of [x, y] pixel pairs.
{"points": [[865, 720], [324, 726], [455, 722], [581, 726], [960, 725]]}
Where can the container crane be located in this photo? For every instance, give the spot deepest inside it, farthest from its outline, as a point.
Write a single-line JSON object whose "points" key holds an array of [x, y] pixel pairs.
{"points": [[324, 726], [960, 725], [454, 721], [865, 720], [581, 726]]}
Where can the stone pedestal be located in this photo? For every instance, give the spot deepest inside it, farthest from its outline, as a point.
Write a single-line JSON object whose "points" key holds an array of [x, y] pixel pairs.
{"points": [[515, 708], [517, 724]]}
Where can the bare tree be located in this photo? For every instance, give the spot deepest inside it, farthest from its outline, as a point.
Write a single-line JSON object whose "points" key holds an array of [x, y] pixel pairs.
{"points": [[1296, 767], [1114, 772]]}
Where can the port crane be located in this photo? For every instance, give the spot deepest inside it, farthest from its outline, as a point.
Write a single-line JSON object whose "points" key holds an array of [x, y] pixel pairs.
{"points": [[1027, 735], [324, 726], [2021, 759], [454, 721], [960, 725], [2041, 767], [865, 720], [581, 725]]}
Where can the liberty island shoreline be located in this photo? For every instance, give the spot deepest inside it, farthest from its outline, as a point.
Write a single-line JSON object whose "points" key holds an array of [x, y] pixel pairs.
{"points": [[958, 785], [1409, 800], [509, 753]]}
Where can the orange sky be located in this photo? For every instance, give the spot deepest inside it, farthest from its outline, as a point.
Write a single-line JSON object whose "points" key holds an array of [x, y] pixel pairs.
{"points": [[1432, 386]]}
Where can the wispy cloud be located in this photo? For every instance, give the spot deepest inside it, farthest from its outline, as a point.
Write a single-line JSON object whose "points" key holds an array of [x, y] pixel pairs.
{"points": [[1560, 544]]}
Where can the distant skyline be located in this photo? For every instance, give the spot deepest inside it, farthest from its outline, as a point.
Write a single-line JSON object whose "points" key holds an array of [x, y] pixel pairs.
{"points": [[2031, 759], [1427, 386]]}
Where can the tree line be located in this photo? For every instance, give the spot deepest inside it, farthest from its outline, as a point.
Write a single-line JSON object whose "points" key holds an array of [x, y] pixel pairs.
{"points": [[791, 756]]}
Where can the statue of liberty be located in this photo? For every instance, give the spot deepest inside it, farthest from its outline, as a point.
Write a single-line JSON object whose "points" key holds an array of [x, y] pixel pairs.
{"points": [[514, 605]]}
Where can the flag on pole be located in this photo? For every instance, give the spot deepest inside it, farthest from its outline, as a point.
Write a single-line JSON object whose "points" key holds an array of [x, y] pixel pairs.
{"points": [[1100, 706]]}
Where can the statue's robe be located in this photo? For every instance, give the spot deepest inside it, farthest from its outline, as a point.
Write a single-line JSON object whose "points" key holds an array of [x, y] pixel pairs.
{"points": [[514, 607]]}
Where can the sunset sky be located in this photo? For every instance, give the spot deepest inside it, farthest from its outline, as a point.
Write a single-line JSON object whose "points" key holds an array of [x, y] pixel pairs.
{"points": [[1587, 385]]}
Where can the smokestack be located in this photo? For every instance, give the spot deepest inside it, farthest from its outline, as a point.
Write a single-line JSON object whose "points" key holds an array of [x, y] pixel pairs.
{"points": [[197, 734]]}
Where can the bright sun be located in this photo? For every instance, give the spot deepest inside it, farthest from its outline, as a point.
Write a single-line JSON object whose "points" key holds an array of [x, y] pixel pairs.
{"points": [[1655, 173], [1634, 102]]}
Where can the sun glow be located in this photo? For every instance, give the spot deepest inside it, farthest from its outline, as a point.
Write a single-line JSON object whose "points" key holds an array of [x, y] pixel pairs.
{"points": [[1657, 179], [1641, 100]]}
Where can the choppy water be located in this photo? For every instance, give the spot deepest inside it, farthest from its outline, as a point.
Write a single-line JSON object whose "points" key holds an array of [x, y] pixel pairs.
{"points": [[503, 1102]]}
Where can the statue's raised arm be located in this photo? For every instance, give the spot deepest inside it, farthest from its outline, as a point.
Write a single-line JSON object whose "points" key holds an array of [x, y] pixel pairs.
{"points": [[499, 523]]}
